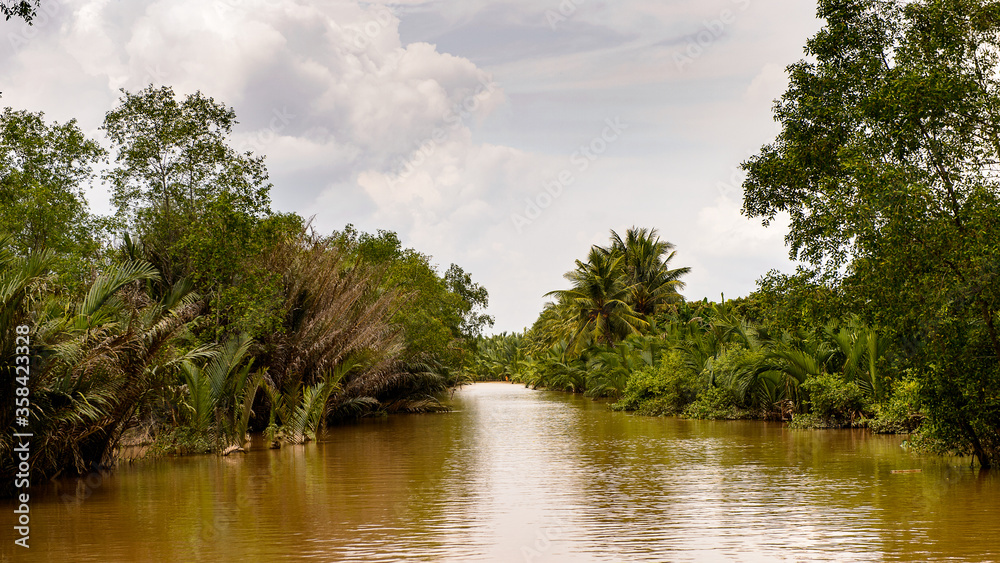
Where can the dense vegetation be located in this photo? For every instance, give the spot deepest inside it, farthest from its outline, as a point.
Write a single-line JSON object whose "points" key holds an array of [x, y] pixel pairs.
{"points": [[624, 332], [196, 313], [886, 164]]}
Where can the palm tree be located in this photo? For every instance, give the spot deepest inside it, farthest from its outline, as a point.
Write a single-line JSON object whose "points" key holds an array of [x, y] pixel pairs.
{"points": [[860, 348], [336, 318], [221, 391], [600, 297], [651, 282], [556, 323], [99, 358]]}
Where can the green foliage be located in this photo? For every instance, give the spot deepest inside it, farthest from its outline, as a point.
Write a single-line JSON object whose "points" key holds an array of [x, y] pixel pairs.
{"points": [[334, 318], [810, 421], [23, 9], [618, 294], [885, 166], [652, 284], [100, 356], [715, 403], [470, 296], [199, 208], [123, 347], [555, 370], [901, 412], [501, 357], [799, 301], [599, 299], [441, 313], [665, 389], [830, 396], [173, 159], [608, 369], [44, 169], [220, 394]]}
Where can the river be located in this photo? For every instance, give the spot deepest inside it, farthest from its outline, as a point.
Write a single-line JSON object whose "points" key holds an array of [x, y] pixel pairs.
{"points": [[519, 475]]}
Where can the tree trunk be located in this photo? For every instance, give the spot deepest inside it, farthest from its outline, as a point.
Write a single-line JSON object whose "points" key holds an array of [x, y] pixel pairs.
{"points": [[977, 447]]}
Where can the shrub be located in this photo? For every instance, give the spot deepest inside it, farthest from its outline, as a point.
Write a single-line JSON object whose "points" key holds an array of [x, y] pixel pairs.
{"points": [[900, 414], [832, 397], [715, 403], [833, 403], [663, 389], [808, 420]]}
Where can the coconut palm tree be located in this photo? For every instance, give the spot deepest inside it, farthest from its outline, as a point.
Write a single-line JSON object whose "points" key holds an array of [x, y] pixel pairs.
{"points": [[599, 297], [651, 282]]}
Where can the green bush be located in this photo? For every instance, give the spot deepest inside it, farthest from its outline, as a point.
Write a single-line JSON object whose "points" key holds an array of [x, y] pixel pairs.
{"points": [[664, 389], [729, 363], [900, 414], [715, 403], [808, 420], [183, 440], [832, 397]]}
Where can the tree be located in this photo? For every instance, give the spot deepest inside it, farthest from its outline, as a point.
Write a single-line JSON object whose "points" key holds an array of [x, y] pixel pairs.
{"points": [[44, 169], [599, 297], [442, 313], [173, 163], [200, 209], [100, 355], [646, 263], [887, 165], [791, 301], [470, 297]]}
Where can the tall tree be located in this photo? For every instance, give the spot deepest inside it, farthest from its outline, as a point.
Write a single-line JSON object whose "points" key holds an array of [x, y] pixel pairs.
{"points": [[599, 296], [887, 165], [646, 263], [44, 169], [201, 210], [173, 163]]}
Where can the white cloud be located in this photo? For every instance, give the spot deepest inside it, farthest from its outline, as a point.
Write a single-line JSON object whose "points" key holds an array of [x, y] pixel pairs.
{"points": [[727, 233]]}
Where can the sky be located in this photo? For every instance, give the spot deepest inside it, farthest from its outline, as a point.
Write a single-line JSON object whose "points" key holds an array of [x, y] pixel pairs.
{"points": [[504, 136]]}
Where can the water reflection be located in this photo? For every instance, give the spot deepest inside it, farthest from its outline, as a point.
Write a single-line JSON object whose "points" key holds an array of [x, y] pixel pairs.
{"points": [[518, 475]]}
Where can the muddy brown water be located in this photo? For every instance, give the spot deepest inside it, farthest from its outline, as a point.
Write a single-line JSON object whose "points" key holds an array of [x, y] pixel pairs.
{"points": [[520, 475]]}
